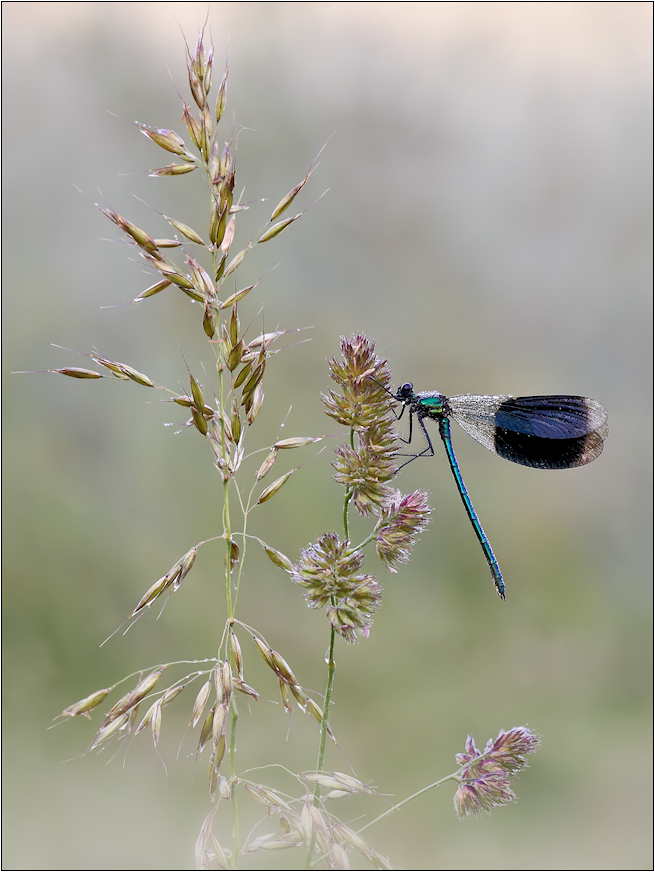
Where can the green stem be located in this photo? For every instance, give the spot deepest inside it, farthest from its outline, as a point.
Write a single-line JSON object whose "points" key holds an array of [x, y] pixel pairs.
{"points": [[349, 492], [226, 482], [323, 737], [228, 545], [326, 708], [452, 776], [227, 527], [365, 542], [244, 545], [346, 503], [235, 802]]}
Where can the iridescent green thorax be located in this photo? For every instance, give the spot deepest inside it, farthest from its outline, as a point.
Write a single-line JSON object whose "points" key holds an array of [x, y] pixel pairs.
{"points": [[433, 404]]}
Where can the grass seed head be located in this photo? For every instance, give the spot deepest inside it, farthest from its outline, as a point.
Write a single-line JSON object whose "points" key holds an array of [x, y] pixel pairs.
{"points": [[282, 668], [401, 520], [235, 423], [173, 170], [339, 858], [218, 681], [328, 573], [272, 489], [484, 778], [186, 285], [209, 320], [214, 222], [225, 787], [107, 731], [266, 466], [84, 706], [366, 469], [199, 421], [243, 375], [142, 239], [265, 651], [255, 378], [77, 372], [225, 162], [206, 130], [222, 856], [218, 724], [169, 140], [185, 230], [297, 441], [186, 564], [288, 199], [363, 402], [170, 694], [192, 126], [227, 683], [315, 710], [200, 703], [196, 393], [510, 748], [350, 837], [232, 555], [239, 295], [206, 730], [254, 404], [151, 595], [222, 97], [144, 687], [278, 558], [234, 357], [153, 289], [378, 860], [214, 171], [221, 229], [284, 694], [241, 686], [229, 237], [237, 655], [136, 376], [278, 228], [234, 327], [236, 262], [266, 796], [218, 753], [196, 86], [147, 718], [300, 696], [201, 281], [156, 722], [111, 365]]}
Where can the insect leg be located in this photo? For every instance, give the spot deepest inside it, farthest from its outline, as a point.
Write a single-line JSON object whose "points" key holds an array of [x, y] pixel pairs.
{"points": [[428, 451]]}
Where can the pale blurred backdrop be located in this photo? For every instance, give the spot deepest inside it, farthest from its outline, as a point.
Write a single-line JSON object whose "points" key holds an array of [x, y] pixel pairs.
{"points": [[488, 224]]}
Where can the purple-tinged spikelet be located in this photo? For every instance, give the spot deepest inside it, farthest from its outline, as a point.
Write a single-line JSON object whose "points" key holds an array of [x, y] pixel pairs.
{"points": [[484, 778]]}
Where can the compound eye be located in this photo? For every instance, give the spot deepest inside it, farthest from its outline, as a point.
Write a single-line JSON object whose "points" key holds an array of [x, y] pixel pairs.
{"points": [[407, 388]]}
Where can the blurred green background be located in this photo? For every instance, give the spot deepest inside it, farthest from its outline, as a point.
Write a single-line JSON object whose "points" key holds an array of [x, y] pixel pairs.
{"points": [[488, 224]]}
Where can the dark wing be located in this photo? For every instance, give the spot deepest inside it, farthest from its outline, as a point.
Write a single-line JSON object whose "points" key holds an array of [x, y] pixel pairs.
{"points": [[553, 432]]}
